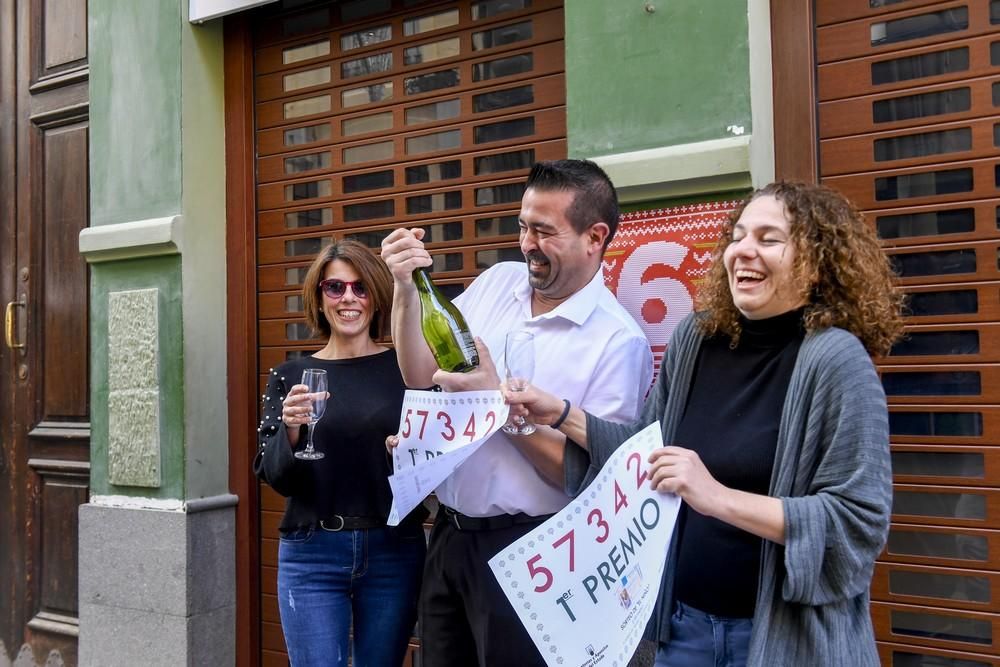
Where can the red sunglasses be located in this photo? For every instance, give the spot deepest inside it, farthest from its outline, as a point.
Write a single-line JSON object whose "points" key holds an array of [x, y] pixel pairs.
{"points": [[335, 288]]}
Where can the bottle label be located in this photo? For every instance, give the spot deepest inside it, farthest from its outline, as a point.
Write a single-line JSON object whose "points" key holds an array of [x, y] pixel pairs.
{"points": [[468, 344]]}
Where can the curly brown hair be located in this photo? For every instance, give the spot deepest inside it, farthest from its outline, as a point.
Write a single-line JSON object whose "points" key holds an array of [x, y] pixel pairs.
{"points": [[846, 278], [373, 273]]}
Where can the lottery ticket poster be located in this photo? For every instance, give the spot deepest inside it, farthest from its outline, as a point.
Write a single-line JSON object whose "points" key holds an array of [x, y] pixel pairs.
{"points": [[584, 583], [437, 433]]}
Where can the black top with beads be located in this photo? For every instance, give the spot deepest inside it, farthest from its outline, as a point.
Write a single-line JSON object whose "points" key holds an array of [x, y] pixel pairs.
{"points": [[366, 397]]}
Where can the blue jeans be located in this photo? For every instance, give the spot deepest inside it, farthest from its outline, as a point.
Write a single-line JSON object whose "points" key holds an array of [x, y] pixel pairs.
{"points": [[698, 639], [327, 579]]}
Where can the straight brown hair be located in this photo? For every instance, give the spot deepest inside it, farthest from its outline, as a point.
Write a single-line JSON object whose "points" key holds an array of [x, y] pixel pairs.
{"points": [[374, 274]]}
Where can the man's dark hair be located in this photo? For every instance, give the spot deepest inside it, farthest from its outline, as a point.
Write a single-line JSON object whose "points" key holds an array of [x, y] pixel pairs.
{"points": [[594, 196]]}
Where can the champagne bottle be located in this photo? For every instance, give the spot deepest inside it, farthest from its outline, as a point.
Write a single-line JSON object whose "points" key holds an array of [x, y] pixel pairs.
{"points": [[444, 328]]}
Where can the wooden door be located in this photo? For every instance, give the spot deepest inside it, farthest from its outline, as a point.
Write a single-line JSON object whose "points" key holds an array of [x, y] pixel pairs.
{"points": [[902, 117], [366, 116], [44, 390]]}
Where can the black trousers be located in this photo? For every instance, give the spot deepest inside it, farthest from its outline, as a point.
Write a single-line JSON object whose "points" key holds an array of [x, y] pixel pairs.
{"points": [[465, 619]]}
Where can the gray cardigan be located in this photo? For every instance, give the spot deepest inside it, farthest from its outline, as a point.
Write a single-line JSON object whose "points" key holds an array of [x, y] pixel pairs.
{"points": [[832, 473]]}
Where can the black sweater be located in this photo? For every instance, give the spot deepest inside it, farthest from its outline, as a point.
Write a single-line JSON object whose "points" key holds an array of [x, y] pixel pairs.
{"points": [[731, 420], [366, 397]]}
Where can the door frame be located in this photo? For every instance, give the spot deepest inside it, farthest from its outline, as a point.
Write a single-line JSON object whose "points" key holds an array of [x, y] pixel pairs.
{"points": [[11, 530], [241, 319], [793, 87]]}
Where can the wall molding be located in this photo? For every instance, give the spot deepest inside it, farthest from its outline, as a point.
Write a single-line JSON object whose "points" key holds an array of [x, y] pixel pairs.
{"points": [[190, 506], [131, 240], [678, 171]]}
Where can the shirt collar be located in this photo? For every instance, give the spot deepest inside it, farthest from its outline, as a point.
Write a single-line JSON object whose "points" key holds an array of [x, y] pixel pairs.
{"points": [[577, 308]]}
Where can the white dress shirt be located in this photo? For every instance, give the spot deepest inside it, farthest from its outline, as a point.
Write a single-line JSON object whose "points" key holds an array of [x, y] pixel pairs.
{"points": [[588, 350]]}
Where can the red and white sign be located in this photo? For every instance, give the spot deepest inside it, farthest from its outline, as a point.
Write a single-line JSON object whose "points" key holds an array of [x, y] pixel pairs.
{"points": [[655, 262]]}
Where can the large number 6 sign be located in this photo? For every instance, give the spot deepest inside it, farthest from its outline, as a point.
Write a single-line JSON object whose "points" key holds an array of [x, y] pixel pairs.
{"points": [[634, 294]]}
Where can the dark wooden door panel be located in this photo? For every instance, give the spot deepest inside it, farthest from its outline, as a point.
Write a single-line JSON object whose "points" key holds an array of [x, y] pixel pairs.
{"points": [[63, 333], [63, 488], [60, 35], [46, 384]]}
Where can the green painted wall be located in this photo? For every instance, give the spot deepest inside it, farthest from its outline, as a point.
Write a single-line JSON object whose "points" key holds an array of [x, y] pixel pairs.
{"points": [[204, 259], [135, 120], [164, 274], [158, 151], [637, 79]]}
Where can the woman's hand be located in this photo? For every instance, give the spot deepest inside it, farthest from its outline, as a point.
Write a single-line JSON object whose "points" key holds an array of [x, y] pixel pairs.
{"points": [[295, 409], [483, 377], [537, 406], [681, 471], [391, 442]]}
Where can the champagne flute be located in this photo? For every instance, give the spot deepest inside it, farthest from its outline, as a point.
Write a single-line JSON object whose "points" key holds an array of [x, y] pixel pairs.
{"points": [[519, 355], [315, 380]]}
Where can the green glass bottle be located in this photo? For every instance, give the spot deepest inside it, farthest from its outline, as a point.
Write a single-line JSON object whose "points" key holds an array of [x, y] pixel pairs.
{"points": [[444, 328]]}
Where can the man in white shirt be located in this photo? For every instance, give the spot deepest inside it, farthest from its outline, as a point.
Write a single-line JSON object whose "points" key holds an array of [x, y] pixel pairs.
{"points": [[587, 348]]}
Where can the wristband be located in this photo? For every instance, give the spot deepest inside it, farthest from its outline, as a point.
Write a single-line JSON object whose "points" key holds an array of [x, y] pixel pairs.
{"points": [[565, 413]]}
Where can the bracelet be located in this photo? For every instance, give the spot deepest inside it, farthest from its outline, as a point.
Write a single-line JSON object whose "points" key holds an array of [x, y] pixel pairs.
{"points": [[565, 413]]}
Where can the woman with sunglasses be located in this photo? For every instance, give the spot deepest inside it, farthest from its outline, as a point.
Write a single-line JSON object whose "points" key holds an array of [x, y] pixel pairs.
{"points": [[341, 570]]}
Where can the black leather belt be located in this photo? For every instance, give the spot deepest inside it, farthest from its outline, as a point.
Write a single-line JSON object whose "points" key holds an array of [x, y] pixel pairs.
{"points": [[337, 523], [463, 522]]}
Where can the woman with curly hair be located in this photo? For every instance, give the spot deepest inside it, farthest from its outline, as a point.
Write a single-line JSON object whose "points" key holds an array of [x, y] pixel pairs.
{"points": [[778, 440]]}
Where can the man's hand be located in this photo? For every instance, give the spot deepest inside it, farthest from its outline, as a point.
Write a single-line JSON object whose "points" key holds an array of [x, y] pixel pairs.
{"points": [[391, 442], [483, 377], [535, 405], [403, 251]]}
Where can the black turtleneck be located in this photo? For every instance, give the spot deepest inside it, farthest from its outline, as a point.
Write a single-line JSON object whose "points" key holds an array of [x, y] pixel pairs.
{"points": [[731, 420]]}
